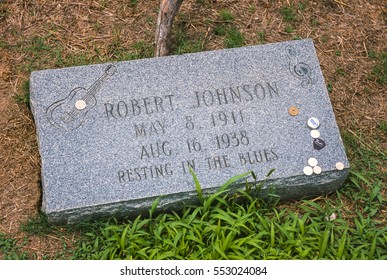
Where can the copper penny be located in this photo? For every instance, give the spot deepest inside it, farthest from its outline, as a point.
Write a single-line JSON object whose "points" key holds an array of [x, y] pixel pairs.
{"points": [[293, 111]]}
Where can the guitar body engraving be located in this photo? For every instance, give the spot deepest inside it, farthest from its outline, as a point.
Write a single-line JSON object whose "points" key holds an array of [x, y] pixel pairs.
{"points": [[70, 112]]}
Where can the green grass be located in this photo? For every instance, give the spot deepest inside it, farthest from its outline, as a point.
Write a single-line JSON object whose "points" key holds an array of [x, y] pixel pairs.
{"points": [[383, 127], [252, 9], [379, 70], [330, 86], [315, 22], [340, 72], [234, 38], [222, 227], [37, 226], [261, 37], [24, 97], [289, 14], [10, 249], [143, 49], [221, 30], [366, 154], [183, 44], [226, 15], [289, 29], [324, 38], [132, 3], [302, 6], [123, 54]]}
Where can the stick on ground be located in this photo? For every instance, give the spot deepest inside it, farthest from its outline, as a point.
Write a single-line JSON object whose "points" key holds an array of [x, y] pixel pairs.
{"points": [[167, 13]]}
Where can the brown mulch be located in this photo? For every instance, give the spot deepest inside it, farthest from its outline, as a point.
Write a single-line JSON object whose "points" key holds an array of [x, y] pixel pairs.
{"points": [[345, 33]]}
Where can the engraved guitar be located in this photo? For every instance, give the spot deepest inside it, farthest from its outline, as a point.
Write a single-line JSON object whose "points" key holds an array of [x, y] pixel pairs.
{"points": [[70, 113]]}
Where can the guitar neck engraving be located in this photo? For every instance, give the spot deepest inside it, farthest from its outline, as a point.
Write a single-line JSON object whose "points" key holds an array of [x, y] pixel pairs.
{"points": [[70, 113]]}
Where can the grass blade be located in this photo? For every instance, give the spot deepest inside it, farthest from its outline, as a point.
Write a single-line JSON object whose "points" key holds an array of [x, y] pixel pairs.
{"points": [[197, 185]]}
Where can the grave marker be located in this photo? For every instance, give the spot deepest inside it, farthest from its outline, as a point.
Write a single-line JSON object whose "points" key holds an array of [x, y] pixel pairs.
{"points": [[114, 137]]}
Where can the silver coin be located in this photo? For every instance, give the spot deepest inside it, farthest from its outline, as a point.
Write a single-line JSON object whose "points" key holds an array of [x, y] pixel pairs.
{"points": [[312, 161], [80, 104], [317, 169], [308, 170], [313, 123], [339, 165], [315, 133]]}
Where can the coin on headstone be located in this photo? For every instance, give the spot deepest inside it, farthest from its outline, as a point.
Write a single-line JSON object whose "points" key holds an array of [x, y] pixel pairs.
{"points": [[80, 104], [293, 111], [339, 165], [312, 161], [308, 170], [315, 133], [317, 169], [313, 123]]}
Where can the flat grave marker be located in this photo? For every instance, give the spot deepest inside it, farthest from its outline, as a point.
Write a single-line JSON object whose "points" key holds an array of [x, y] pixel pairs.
{"points": [[113, 137]]}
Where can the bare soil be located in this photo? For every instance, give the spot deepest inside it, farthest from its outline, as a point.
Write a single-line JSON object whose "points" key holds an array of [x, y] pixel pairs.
{"points": [[37, 34]]}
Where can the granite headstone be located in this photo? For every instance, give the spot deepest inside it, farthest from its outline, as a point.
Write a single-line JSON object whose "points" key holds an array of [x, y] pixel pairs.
{"points": [[113, 137]]}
